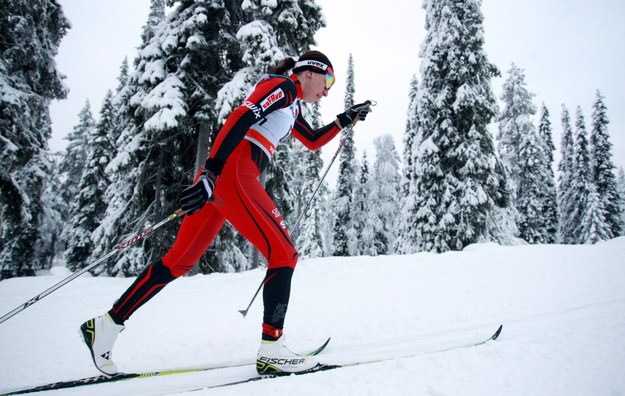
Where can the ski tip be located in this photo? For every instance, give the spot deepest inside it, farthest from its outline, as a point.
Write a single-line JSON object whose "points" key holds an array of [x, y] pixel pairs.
{"points": [[321, 348], [496, 335]]}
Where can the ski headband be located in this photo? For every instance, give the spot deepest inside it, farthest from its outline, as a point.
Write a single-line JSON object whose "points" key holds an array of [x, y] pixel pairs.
{"points": [[311, 64]]}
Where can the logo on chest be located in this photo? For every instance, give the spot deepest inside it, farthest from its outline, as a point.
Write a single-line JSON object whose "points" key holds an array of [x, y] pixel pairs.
{"points": [[272, 98]]}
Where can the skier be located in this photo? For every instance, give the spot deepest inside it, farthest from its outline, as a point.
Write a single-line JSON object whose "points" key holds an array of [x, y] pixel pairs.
{"points": [[229, 181]]}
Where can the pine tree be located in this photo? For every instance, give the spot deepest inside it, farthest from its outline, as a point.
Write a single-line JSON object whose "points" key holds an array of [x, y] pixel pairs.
{"points": [[120, 102], [31, 32], [110, 232], [566, 179], [620, 183], [312, 239], [155, 17], [550, 199], [595, 228], [603, 167], [531, 165], [176, 102], [384, 201], [582, 172], [153, 141], [586, 204], [51, 244], [181, 65], [515, 121], [89, 206], [407, 230], [362, 206], [74, 160], [344, 233], [410, 137], [459, 180], [526, 154]]}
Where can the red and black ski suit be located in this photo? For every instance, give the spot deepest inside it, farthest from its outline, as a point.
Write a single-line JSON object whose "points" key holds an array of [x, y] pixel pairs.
{"points": [[242, 149]]}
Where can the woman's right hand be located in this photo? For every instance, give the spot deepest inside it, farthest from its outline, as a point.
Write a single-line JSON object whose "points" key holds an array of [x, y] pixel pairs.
{"points": [[194, 197]]}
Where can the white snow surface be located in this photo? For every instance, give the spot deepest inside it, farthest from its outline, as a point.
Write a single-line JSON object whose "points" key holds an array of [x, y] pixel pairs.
{"points": [[562, 307]]}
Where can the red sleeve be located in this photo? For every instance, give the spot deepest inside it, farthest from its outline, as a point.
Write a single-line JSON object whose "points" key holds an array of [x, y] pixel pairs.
{"points": [[269, 95], [314, 139]]}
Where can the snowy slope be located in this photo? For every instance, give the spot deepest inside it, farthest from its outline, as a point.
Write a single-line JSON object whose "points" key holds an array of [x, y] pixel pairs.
{"points": [[563, 310]]}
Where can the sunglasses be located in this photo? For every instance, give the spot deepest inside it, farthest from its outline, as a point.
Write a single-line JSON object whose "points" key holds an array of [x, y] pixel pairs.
{"points": [[329, 78]]}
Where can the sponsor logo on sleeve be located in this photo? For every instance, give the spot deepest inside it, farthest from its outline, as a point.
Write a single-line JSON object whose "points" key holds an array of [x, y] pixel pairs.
{"points": [[252, 107], [272, 98]]}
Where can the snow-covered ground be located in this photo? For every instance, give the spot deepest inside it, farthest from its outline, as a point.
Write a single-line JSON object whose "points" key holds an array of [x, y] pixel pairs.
{"points": [[562, 307]]}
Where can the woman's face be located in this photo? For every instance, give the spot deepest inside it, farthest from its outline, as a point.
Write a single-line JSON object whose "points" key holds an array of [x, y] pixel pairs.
{"points": [[313, 86]]}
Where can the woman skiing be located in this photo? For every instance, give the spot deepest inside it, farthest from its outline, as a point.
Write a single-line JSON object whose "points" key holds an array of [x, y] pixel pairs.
{"points": [[242, 149]]}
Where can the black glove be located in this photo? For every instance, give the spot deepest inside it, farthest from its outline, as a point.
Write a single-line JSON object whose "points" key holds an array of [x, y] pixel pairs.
{"points": [[194, 197], [349, 117]]}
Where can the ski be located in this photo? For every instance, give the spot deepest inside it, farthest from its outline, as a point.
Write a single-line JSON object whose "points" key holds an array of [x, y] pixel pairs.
{"points": [[326, 367], [100, 379], [320, 367]]}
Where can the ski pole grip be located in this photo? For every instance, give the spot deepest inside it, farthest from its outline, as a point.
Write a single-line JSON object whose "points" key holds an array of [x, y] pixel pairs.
{"points": [[179, 212]]}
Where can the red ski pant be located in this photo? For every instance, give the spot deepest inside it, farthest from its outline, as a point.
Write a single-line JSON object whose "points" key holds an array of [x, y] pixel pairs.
{"points": [[242, 200]]}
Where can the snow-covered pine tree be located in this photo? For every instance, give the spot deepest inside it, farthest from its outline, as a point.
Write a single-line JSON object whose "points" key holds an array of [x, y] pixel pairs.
{"points": [[183, 62], [114, 224], [515, 121], [566, 177], [526, 155], [171, 94], [595, 227], [362, 202], [603, 166], [344, 233], [550, 199], [155, 17], [531, 164], [120, 103], [75, 157], [88, 207], [68, 174], [586, 204], [50, 246], [407, 232], [313, 237], [126, 213], [31, 32], [410, 137], [384, 198], [620, 187], [459, 180]]}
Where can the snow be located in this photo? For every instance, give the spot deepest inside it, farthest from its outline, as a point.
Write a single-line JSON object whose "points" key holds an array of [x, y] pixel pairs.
{"points": [[562, 307]]}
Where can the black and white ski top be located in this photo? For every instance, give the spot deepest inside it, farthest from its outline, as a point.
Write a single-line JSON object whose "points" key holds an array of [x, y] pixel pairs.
{"points": [[266, 118]]}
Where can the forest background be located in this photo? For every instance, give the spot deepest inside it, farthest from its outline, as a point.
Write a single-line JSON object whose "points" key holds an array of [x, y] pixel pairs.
{"points": [[77, 233]]}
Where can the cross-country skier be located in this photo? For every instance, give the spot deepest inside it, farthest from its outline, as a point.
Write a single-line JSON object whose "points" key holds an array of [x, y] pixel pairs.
{"points": [[242, 149]]}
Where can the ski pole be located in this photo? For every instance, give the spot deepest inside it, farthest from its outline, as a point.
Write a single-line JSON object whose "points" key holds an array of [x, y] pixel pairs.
{"points": [[75, 275], [301, 215]]}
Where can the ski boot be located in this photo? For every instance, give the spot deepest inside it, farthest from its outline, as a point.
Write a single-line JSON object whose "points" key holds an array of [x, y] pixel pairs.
{"points": [[100, 334], [276, 359]]}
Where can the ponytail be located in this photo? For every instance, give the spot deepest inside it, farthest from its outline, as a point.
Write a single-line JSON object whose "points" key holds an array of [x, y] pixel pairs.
{"points": [[282, 67]]}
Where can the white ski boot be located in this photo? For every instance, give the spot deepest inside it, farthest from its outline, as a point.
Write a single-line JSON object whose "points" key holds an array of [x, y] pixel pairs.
{"points": [[100, 334], [275, 358]]}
